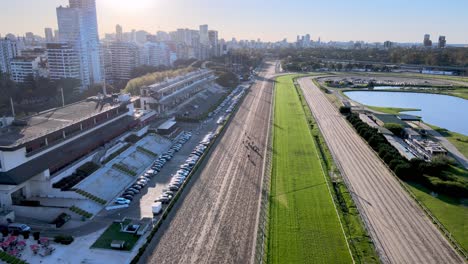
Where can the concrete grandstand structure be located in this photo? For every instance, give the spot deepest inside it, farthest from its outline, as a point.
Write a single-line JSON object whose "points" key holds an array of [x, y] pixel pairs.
{"points": [[163, 96], [34, 150]]}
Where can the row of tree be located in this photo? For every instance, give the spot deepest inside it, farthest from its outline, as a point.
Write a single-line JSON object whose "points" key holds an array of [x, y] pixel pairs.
{"points": [[433, 175], [451, 56]]}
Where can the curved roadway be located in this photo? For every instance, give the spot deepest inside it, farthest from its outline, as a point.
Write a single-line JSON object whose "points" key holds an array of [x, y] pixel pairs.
{"points": [[401, 231]]}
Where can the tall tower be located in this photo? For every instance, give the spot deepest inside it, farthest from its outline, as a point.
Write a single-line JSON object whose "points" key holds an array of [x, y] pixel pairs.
{"points": [[118, 33], [78, 26], [204, 35], [49, 35]]}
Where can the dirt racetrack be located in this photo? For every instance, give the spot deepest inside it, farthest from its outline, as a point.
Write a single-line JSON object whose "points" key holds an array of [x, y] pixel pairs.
{"points": [[214, 221], [399, 228]]}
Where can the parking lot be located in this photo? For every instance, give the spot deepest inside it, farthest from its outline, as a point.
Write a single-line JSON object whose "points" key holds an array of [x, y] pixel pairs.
{"points": [[141, 205]]}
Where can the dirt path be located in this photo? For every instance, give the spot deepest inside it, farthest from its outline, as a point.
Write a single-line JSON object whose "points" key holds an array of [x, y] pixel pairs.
{"points": [[215, 219], [400, 229]]}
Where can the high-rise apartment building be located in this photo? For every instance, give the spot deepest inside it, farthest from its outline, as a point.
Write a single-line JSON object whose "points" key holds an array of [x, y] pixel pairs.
{"points": [[63, 60], [49, 35], [78, 26], [427, 42], [442, 42], [118, 33], [214, 45], [8, 50], [204, 35], [121, 58]]}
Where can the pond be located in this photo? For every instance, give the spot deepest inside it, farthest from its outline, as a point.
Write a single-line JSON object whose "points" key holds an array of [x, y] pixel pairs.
{"points": [[441, 110]]}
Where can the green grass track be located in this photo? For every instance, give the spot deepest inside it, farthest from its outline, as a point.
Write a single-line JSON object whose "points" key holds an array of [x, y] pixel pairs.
{"points": [[304, 226]]}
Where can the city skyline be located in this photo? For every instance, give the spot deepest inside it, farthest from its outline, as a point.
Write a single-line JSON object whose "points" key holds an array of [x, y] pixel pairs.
{"points": [[278, 21]]}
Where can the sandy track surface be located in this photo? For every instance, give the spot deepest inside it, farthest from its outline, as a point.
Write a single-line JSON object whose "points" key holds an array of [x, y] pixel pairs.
{"points": [[400, 229], [215, 219]]}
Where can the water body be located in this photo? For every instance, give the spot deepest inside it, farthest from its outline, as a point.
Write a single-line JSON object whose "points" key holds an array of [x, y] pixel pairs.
{"points": [[441, 110]]}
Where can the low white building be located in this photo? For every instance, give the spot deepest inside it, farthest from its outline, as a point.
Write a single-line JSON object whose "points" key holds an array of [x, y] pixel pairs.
{"points": [[22, 68]]}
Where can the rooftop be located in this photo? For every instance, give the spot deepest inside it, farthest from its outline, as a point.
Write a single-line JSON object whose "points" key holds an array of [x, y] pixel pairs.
{"points": [[385, 118], [168, 124], [32, 127]]}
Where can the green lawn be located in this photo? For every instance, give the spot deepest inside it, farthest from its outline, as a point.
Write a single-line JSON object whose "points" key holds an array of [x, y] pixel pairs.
{"points": [[449, 211], [304, 226], [113, 233], [460, 141]]}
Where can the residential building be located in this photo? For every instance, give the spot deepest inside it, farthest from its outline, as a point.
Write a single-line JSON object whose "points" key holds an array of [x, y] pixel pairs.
{"points": [[49, 36], [63, 61], [214, 44], [388, 44], [8, 50], [427, 42], [118, 33], [120, 58], [25, 67], [78, 26], [158, 53], [442, 42], [204, 35]]}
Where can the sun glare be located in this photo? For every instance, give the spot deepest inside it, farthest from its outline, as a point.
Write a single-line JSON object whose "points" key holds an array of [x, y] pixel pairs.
{"points": [[129, 4]]}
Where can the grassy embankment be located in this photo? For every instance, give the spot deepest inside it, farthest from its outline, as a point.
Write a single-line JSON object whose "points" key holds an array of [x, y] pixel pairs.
{"points": [[452, 213], [304, 226]]}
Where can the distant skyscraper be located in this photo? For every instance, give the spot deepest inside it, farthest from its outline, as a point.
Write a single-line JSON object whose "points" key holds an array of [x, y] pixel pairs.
{"points": [[213, 39], [118, 33], [8, 50], [78, 26], [49, 36], [204, 35], [56, 35], [307, 40], [427, 40], [442, 42]]}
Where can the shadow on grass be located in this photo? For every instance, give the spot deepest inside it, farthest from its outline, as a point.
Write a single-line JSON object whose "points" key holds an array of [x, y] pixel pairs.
{"points": [[441, 197]]}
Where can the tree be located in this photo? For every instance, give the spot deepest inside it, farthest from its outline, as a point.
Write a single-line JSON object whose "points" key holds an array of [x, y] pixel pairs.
{"points": [[403, 170]]}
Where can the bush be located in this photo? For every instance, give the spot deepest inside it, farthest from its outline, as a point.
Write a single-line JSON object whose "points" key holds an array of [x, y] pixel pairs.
{"points": [[64, 240], [345, 109], [403, 170]]}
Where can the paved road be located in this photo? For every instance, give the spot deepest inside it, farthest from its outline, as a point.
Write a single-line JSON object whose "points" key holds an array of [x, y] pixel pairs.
{"points": [[400, 229], [215, 220]]}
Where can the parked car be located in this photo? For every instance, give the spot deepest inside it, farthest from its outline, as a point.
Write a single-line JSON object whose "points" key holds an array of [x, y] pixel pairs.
{"points": [[128, 192], [134, 190], [162, 199], [122, 200], [61, 220], [136, 186], [18, 227], [173, 187], [169, 192], [128, 197], [156, 208]]}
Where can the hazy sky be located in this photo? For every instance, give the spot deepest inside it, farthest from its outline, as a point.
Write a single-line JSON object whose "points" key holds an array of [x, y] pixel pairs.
{"points": [[270, 20]]}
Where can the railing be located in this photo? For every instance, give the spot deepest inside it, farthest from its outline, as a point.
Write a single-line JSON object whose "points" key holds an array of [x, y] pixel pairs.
{"points": [[264, 214]]}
